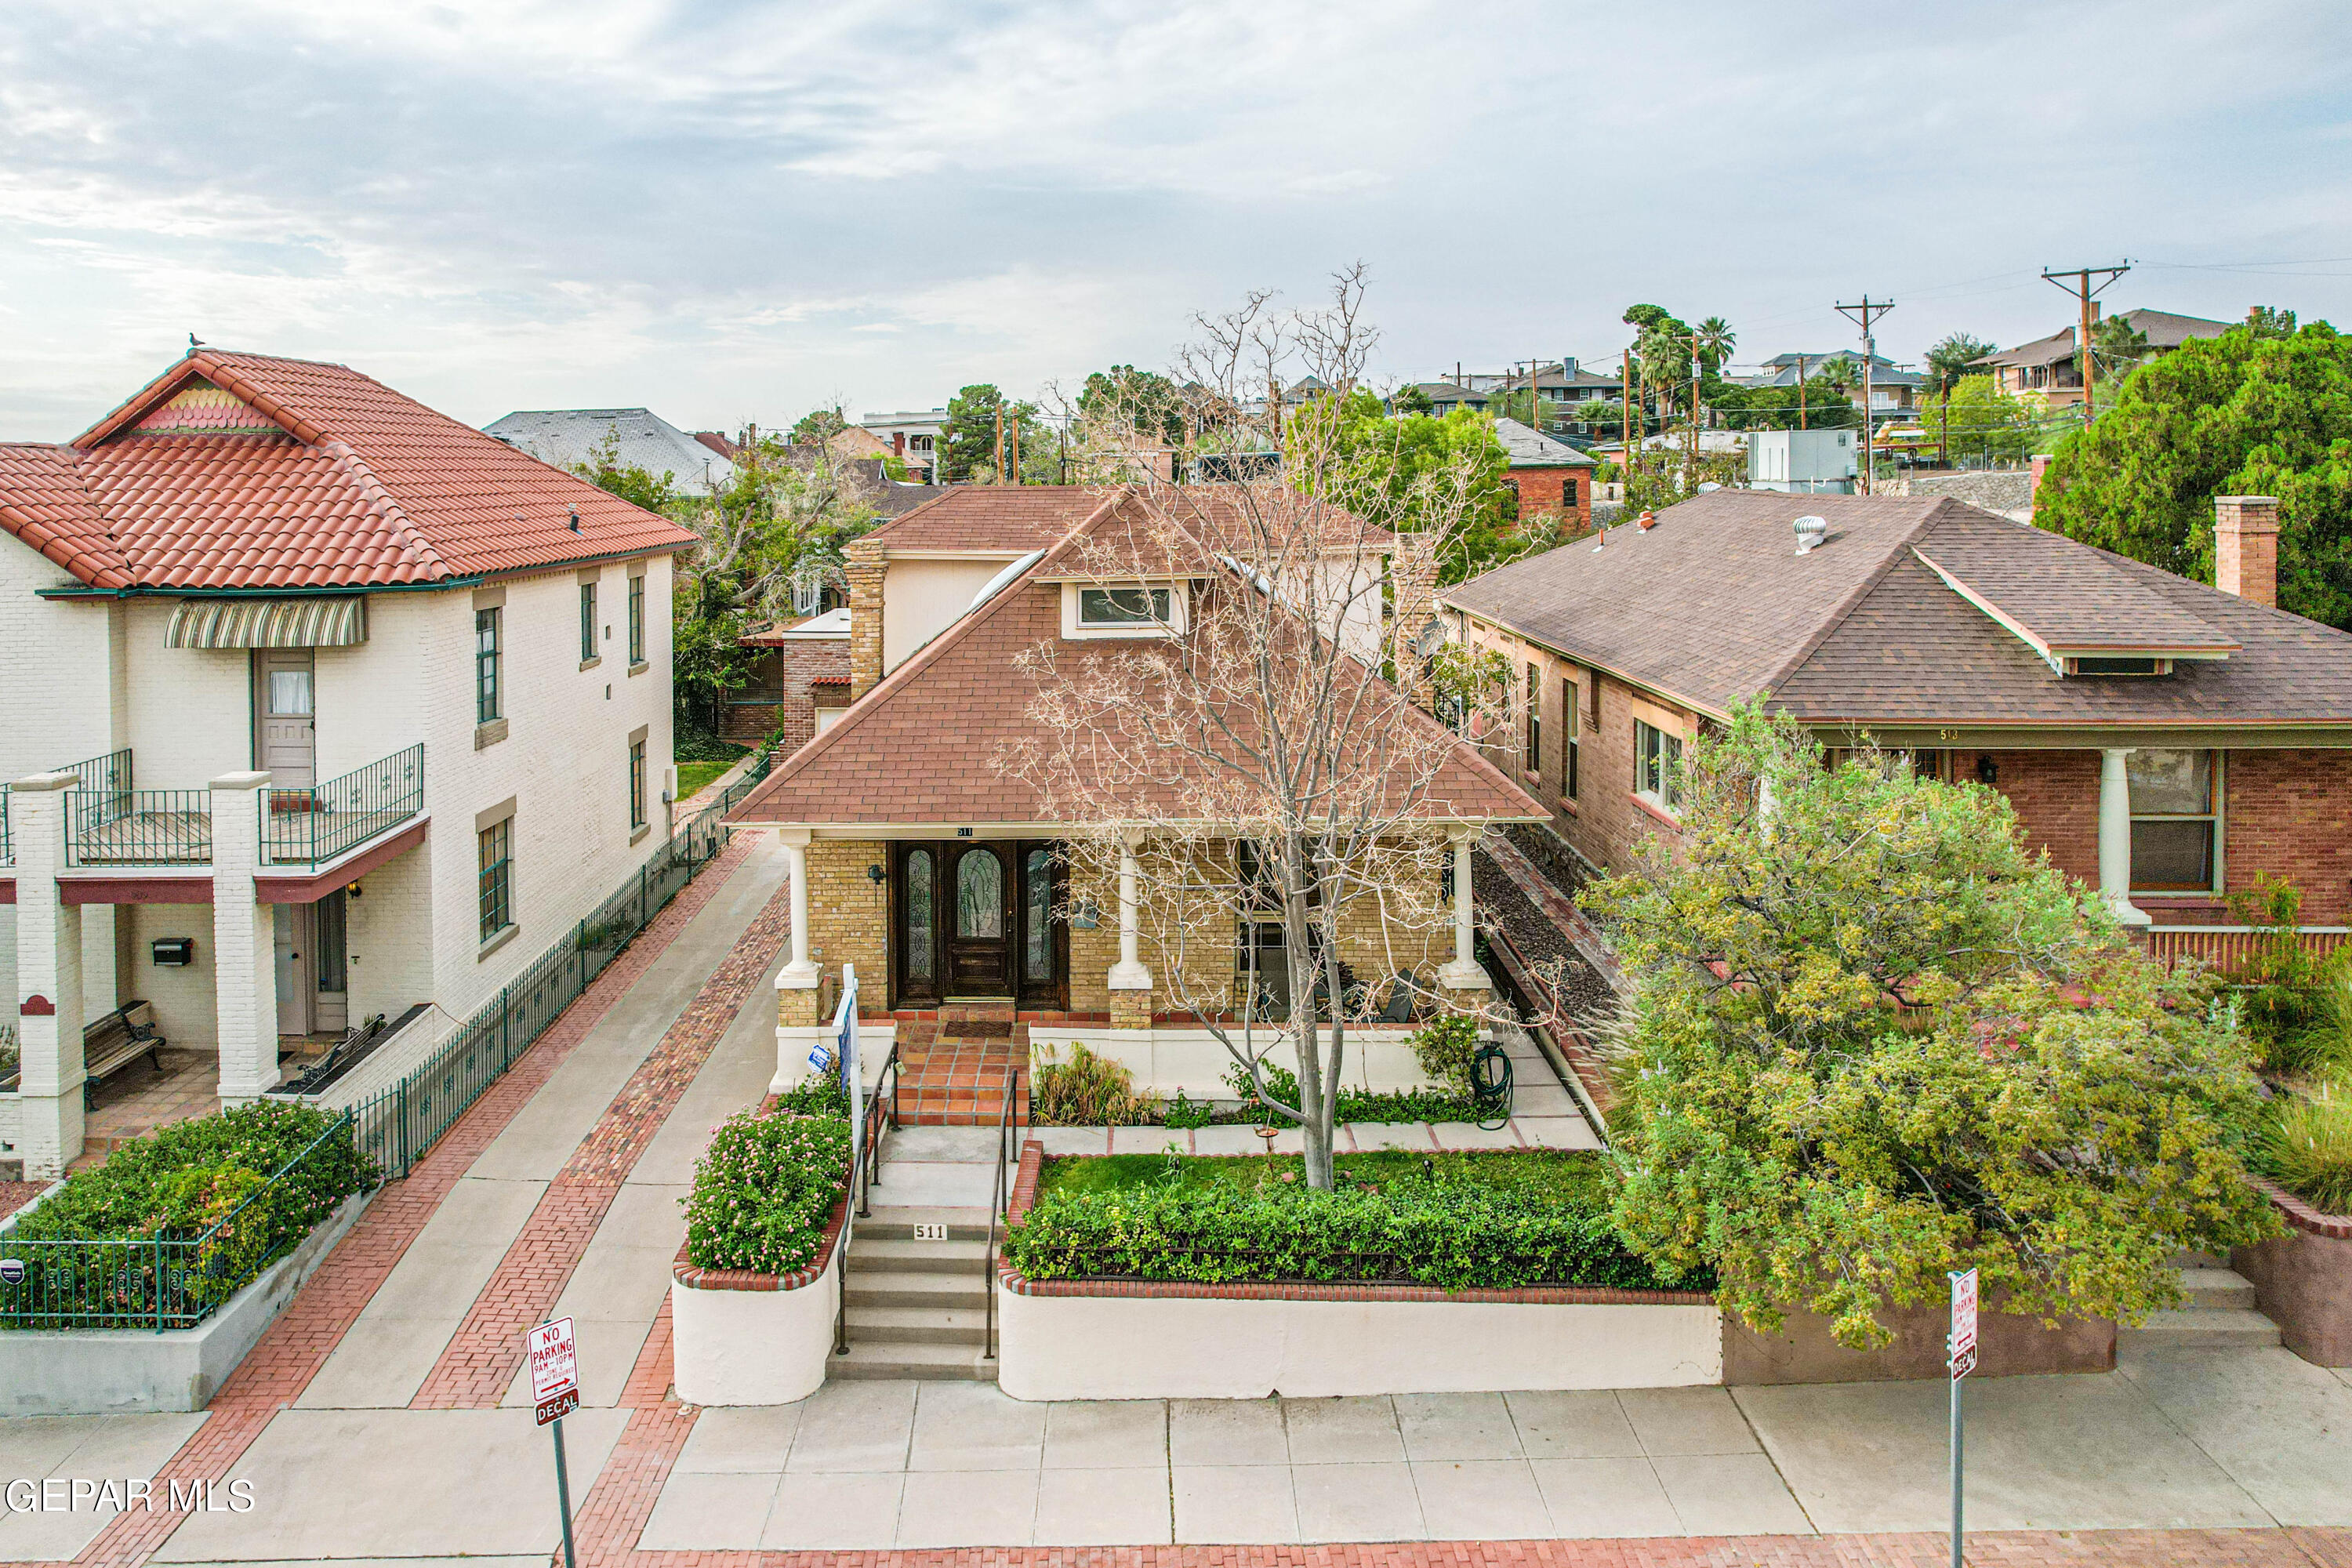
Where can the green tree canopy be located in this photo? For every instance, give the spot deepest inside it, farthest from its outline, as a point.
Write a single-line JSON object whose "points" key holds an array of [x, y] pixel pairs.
{"points": [[1144, 399], [1949, 357], [1976, 419], [1388, 466], [1875, 1038], [971, 437], [604, 468], [2243, 413], [819, 425]]}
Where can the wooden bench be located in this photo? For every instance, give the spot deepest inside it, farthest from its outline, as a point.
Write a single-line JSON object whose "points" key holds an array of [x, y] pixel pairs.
{"points": [[114, 1042]]}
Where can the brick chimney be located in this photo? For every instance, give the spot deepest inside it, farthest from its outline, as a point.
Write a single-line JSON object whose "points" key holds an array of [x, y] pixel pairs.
{"points": [[1412, 577], [2245, 547], [864, 565]]}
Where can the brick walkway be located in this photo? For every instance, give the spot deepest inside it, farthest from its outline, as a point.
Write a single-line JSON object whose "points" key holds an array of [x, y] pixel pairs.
{"points": [[299, 1343], [482, 1358]]}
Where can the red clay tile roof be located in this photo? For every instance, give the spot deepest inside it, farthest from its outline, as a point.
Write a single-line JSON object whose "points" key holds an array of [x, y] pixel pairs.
{"points": [[1715, 607], [916, 749], [338, 482]]}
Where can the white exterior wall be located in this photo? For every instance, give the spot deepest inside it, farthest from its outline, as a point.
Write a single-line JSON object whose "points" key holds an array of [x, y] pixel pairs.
{"points": [[1130, 1347], [62, 660], [754, 1347], [1166, 1060], [191, 709], [185, 999], [921, 598]]}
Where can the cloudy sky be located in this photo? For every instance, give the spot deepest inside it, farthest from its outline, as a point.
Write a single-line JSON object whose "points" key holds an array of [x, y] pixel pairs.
{"points": [[734, 211]]}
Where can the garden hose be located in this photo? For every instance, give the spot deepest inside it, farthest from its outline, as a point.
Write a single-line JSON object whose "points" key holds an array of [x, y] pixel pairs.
{"points": [[1490, 1085]]}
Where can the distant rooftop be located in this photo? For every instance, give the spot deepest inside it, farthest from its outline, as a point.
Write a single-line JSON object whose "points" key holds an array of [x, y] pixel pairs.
{"points": [[565, 436]]}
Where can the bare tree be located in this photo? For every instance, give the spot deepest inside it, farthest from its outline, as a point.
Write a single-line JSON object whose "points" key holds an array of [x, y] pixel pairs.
{"points": [[1247, 770]]}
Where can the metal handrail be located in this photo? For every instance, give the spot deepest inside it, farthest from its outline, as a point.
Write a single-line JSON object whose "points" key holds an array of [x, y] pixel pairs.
{"points": [[308, 825], [999, 1199], [138, 827], [869, 1164]]}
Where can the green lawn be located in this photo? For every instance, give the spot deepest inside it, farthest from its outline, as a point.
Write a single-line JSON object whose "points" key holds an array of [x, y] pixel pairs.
{"points": [[1553, 1175], [692, 776]]}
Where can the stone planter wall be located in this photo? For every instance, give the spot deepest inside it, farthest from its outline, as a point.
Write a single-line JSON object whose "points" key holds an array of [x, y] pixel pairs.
{"points": [[2303, 1279], [744, 1338]]}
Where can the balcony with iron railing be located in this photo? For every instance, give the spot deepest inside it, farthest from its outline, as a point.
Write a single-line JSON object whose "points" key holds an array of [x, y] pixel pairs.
{"points": [[111, 824]]}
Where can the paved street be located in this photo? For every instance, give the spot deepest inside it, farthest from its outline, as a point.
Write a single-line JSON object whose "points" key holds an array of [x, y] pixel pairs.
{"points": [[380, 1421]]}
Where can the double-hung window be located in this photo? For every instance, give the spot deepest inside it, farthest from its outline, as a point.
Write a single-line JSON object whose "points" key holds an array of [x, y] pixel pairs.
{"points": [[636, 784], [587, 622], [2175, 799], [1572, 725], [495, 880], [1657, 767], [638, 620], [489, 700], [1535, 720]]}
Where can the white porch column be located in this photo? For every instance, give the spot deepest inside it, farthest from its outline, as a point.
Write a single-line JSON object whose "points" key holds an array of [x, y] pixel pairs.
{"points": [[2115, 837], [1129, 973], [245, 977], [48, 980], [1466, 972], [798, 1027]]}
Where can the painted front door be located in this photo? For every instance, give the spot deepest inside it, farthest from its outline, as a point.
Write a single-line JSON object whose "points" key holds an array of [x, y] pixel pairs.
{"points": [[285, 716], [291, 947]]}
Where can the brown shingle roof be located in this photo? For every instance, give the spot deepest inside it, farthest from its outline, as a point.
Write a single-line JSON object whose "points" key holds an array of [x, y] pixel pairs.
{"points": [[1724, 610], [285, 473], [914, 750], [1007, 520]]}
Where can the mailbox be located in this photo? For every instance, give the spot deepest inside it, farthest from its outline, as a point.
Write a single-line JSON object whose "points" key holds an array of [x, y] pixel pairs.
{"points": [[175, 951]]}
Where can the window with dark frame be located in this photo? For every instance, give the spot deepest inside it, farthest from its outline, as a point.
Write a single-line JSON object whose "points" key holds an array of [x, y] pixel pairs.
{"points": [[487, 700], [636, 784], [2176, 797], [495, 880], [638, 620], [1571, 736], [1657, 765], [1535, 720], [587, 622]]}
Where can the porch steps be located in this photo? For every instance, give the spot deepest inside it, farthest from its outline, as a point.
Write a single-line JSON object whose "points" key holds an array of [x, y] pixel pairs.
{"points": [[2220, 1315], [917, 1309]]}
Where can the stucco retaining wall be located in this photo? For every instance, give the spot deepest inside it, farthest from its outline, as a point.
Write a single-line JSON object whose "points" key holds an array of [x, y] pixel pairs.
{"points": [[745, 1338], [1167, 1059], [2007, 1346], [2303, 1279], [110, 1372]]}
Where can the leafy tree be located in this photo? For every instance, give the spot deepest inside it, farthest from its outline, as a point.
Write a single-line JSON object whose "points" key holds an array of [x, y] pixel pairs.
{"points": [[2270, 322], [819, 425], [971, 434], [2119, 347], [2242, 414], [1776, 408], [604, 468], [1662, 355], [1411, 399], [1715, 339], [1949, 359], [1149, 400], [1875, 1038], [1413, 467], [1976, 418]]}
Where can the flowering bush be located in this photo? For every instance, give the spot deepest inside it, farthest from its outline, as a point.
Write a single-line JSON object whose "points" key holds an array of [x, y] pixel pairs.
{"points": [[764, 1190]]}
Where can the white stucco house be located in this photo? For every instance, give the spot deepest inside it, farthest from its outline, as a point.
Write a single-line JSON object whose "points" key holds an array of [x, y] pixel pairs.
{"points": [[319, 705]]}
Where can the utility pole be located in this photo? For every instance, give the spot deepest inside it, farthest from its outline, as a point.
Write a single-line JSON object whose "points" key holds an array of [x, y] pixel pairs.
{"points": [[1801, 392], [1863, 314], [2078, 283], [1625, 394], [999, 449], [1016, 448]]}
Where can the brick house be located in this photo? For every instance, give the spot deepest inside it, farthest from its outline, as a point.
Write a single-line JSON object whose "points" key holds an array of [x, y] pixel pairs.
{"points": [[945, 883], [800, 681], [1548, 476], [375, 707], [2165, 741]]}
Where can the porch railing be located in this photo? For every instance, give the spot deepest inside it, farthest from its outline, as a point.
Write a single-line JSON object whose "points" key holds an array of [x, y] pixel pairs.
{"points": [[8, 845], [308, 826], [109, 774], [127, 827]]}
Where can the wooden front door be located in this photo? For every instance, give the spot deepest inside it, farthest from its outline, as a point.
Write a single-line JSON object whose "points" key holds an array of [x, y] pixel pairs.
{"points": [[284, 716], [979, 919]]}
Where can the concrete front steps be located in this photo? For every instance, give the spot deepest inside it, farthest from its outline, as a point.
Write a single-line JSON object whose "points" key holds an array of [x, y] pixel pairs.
{"points": [[918, 1309], [2220, 1313]]}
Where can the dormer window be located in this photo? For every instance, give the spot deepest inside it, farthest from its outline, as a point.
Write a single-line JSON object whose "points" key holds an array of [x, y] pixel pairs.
{"points": [[2118, 666]]}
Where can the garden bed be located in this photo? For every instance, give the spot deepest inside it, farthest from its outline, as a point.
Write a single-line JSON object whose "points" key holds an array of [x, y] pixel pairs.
{"points": [[754, 1290], [2304, 1279]]}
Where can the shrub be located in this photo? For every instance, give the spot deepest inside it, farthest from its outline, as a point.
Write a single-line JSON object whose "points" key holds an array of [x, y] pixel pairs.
{"points": [[764, 1190], [1355, 1104], [2307, 1147], [1182, 1113], [1449, 1235], [1087, 1091], [208, 1180], [1447, 1049], [819, 1094]]}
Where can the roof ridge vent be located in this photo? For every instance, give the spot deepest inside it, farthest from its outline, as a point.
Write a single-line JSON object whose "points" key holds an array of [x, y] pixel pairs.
{"points": [[1811, 531]]}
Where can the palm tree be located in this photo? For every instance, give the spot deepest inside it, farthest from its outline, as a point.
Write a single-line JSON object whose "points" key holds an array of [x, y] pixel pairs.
{"points": [[1948, 362]]}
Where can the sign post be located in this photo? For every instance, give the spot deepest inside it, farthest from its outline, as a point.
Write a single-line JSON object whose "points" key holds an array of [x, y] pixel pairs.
{"points": [[554, 1359], [1963, 1362]]}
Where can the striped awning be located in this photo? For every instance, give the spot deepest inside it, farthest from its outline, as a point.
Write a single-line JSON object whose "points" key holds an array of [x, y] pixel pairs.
{"points": [[337, 622]]}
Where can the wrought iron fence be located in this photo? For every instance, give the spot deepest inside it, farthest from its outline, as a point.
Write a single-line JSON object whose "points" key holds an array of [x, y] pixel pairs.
{"points": [[8, 845], [109, 774], [306, 826], [161, 1281], [139, 827], [400, 1123]]}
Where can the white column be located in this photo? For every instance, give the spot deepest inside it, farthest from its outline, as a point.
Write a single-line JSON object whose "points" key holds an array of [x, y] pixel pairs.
{"points": [[2115, 837], [803, 968], [798, 1027], [1465, 973], [244, 979], [1128, 974], [48, 980]]}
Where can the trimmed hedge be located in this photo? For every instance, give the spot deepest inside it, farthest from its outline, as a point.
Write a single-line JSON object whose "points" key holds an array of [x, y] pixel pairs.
{"points": [[206, 1180], [763, 1191], [1452, 1235]]}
